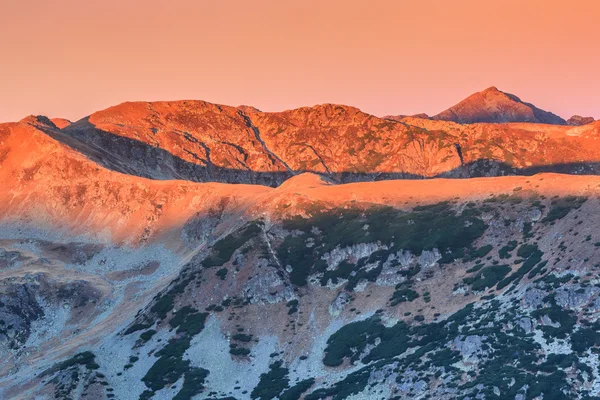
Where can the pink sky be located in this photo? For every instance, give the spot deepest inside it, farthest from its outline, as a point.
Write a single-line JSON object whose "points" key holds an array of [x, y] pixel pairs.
{"points": [[68, 58]]}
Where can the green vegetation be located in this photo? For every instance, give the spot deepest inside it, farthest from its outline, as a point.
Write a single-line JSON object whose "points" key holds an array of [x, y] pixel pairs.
{"points": [[527, 228], [351, 340], [562, 206], [292, 306], [354, 273], [403, 293], [505, 251], [556, 281], [188, 320], [163, 305], [526, 250], [137, 327], [272, 383], [487, 277], [293, 252], [297, 390], [222, 273], [425, 228], [193, 383], [343, 271], [242, 337], [354, 383], [85, 359], [238, 351], [170, 365], [223, 249], [427, 297], [394, 341], [510, 357], [147, 335], [585, 338], [565, 318], [504, 198], [478, 253], [475, 268], [533, 256], [540, 269]]}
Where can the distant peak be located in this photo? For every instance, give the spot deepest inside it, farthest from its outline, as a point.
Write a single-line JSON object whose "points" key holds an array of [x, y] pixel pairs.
{"points": [[492, 89], [495, 106]]}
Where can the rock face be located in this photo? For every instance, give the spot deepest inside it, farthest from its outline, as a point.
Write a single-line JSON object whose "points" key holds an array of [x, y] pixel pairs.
{"points": [[469, 346], [577, 120], [493, 105]]}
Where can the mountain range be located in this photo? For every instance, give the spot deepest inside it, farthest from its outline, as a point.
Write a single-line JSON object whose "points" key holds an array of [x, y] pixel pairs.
{"points": [[189, 250], [200, 141]]}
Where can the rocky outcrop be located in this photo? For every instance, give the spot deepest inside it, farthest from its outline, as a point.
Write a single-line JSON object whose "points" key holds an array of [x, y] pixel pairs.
{"points": [[352, 253], [470, 347], [31, 305], [578, 120], [574, 296], [340, 302]]}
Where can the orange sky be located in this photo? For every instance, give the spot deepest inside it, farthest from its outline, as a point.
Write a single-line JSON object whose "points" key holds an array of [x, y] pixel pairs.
{"points": [[69, 58]]}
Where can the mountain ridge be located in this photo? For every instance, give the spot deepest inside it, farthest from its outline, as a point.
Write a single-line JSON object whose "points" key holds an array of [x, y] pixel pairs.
{"points": [[201, 141]]}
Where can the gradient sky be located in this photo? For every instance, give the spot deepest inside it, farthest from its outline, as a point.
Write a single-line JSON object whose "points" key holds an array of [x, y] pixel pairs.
{"points": [[68, 58]]}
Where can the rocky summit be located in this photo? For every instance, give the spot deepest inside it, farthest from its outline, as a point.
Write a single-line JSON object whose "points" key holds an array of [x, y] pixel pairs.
{"points": [[493, 105], [189, 250]]}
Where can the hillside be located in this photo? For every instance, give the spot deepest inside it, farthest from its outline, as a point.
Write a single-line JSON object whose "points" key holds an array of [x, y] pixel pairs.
{"points": [[118, 281]]}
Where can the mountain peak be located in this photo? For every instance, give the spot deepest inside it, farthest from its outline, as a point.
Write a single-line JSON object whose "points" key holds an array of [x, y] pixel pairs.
{"points": [[492, 89], [38, 120], [496, 106]]}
